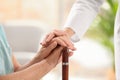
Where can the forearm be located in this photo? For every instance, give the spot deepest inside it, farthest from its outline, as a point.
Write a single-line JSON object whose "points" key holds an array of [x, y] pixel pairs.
{"points": [[18, 67], [34, 72], [22, 67]]}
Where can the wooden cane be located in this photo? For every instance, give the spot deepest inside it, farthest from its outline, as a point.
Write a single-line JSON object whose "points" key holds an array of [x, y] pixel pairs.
{"points": [[65, 65]]}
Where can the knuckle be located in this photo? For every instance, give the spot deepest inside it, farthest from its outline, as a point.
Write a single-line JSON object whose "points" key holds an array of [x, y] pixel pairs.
{"points": [[54, 44]]}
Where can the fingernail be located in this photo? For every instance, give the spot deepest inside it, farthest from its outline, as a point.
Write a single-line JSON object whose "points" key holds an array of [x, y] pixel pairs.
{"points": [[72, 48]]}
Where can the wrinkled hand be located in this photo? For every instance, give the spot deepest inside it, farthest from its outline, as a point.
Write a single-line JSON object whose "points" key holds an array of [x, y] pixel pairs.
{"points": [[44, 52], [61, 37], [55, 57]]}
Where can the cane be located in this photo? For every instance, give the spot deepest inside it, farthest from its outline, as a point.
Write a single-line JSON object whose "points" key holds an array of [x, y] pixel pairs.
{"points": [[65, 64]]}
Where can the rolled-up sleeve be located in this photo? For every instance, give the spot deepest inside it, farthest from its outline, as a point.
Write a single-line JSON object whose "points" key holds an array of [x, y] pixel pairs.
{"points": [[81, 16]]}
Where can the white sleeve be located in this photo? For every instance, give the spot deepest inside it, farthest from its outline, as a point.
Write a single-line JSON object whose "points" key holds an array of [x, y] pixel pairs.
{"points": [[81, 16]]}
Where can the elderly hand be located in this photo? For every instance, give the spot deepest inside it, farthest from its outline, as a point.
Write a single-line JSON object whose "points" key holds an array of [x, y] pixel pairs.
{"points": [[61, 37], [44, 52], [51, 53], [56, 56]]}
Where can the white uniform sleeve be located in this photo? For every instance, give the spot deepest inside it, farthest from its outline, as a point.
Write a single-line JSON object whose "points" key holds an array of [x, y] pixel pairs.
{"points": [[81, 16]]}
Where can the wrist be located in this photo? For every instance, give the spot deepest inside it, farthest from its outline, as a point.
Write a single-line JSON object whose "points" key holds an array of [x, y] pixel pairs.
{"points": [[50, 65], [69, 32], [36, 59], [45, 65]]}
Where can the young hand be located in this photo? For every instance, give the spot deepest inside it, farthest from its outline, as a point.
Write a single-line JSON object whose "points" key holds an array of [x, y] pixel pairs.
{"points": [[61, 37]]}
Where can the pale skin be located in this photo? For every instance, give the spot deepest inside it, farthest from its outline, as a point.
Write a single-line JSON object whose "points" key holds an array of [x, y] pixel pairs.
{"points": [[46, 59], [62, 37]]}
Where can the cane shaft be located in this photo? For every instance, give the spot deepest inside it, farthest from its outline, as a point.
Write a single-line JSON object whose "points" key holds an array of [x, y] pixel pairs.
{"points": [[65, 64]]}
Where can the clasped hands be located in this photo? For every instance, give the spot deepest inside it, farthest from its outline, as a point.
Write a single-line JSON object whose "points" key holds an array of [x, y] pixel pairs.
{"points": [[52, 47]]}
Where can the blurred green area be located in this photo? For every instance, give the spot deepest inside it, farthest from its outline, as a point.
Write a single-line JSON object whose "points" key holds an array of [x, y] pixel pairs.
{"points": [[102, 28]]}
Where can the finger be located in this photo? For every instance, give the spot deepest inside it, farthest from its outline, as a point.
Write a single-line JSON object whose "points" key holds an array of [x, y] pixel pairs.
{"points": [[68, 43], [65, 38], [60, 41], [53, 34], [44, 40], [60, 59], [63, 42], [70, 54], [51, 47], [57, 52], [54, 57], [50, 37]]}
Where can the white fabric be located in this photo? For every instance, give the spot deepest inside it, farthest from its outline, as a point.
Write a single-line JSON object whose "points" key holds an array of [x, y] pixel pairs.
{"points": [[117, 44], [80, 18]]}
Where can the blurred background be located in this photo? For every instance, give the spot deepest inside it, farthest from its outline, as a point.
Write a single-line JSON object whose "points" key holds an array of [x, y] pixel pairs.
{"points": [[26, 22]]}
